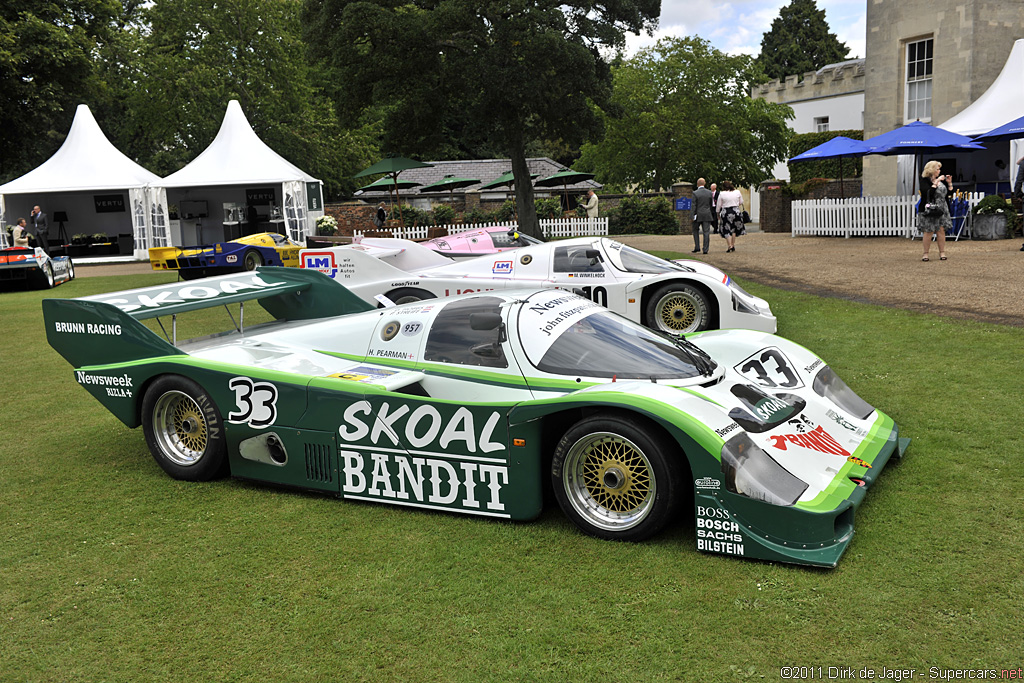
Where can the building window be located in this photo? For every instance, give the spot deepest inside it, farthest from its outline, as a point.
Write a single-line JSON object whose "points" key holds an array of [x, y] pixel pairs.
{"points": [[821, 124], [919, 81]]}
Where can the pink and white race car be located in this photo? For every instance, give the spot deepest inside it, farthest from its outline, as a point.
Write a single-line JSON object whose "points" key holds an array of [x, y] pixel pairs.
{"points": [[482, 241]]}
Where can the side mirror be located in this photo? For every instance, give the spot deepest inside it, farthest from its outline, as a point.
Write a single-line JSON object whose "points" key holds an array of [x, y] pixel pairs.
{"points": [[594, 255]]}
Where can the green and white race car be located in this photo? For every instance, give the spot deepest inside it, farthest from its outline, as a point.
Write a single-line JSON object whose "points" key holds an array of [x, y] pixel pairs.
{"points": [[476, 404]]}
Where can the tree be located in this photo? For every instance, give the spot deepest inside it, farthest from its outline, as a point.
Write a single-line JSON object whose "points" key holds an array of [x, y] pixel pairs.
{"points": [[483, 73], [681, 110], [46, 69], [799, 41], [176, 65]]}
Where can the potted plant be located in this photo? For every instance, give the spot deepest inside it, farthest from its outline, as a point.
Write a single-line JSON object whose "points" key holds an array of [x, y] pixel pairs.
{"points": [[326, 225], [991, 218]]}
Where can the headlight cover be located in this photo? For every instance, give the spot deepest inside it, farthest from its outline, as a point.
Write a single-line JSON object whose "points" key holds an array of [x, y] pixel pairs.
{"points": [[828, 384], [741, 305], [751, 472]]}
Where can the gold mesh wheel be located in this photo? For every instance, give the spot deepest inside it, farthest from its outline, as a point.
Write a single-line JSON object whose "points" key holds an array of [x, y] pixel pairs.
{"points": [[678, 312], [180, 428], [609, 481]]}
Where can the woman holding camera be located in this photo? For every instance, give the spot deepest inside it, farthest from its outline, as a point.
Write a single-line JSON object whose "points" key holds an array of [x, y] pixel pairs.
{"points": [[933, 214]]}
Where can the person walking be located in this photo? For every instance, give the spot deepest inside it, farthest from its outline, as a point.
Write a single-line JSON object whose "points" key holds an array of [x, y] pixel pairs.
{"points": [[702, 215], [730, 215], [714, 211], [590, 204], [933, 213]]}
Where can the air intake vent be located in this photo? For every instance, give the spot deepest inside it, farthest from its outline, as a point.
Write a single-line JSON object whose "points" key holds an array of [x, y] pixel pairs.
{"points": [[318, 463]]}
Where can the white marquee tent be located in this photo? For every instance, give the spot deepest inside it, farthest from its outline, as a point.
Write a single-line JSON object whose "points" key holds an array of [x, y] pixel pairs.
{"points": [[237, 169], [1001, 103], [86, 179]]}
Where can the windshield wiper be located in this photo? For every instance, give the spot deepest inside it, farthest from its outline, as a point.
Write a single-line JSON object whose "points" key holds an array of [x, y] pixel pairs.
{"points": [[698, 356]]}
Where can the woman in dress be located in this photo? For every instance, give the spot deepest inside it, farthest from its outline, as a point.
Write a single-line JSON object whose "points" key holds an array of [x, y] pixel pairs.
{"points": [[934, 189], [730, 214]]}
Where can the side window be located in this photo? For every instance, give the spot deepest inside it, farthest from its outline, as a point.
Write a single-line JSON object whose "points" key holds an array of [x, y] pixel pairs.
{"points": [[453, 340], [575, 260]]}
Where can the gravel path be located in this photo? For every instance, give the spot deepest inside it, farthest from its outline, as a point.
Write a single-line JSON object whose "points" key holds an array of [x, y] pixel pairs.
{"points": [[980, 281]]}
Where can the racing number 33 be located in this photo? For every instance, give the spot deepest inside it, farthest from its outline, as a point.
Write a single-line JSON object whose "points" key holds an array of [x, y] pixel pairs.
{"points": [[256, 402], [778, 373]]}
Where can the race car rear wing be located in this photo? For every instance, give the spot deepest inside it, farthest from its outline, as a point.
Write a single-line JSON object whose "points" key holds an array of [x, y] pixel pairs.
{"points": [[104, 328]]}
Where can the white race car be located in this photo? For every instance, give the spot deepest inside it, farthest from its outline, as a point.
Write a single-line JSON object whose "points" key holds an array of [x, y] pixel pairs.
{"points": [[675, 297]]}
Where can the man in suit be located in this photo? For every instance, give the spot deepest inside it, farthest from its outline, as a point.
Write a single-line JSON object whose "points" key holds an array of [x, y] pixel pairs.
{"points": [[703, 211], [40, 228]]}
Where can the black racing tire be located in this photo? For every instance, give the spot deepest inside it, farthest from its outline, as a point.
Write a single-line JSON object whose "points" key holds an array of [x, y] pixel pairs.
{"points": [[408, 295], [252, 259], [46, 278], [616, 478], [184, 430], [71, 269], [678, 308]]}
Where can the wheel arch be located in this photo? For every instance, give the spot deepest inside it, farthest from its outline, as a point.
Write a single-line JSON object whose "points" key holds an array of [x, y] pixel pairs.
{"points": [[714, 315], [398, 292], [556, 423]]}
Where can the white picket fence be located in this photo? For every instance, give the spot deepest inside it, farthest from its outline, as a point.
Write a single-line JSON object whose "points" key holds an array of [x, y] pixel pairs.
{"points": [[860, 216], [554, 227]]}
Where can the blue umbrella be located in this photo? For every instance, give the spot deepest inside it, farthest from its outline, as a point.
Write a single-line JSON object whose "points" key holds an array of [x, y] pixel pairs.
{"points": [[836, 148], [917, 138], [1008, 131]]}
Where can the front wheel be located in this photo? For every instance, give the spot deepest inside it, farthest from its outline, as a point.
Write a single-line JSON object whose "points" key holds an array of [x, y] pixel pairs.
{"points": [[678, 309], [183, 429], [616, 478], [71, 270], [252, 260]]}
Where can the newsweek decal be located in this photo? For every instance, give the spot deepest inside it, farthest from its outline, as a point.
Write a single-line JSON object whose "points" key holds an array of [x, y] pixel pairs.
{"points": [[545, 315]]}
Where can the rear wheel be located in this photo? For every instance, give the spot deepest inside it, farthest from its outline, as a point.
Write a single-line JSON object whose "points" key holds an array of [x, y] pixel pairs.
{"points": [[71, 269], [252, 260], [616, 478], [183, 429], [46, 276], [408, 295], [678, 308]]}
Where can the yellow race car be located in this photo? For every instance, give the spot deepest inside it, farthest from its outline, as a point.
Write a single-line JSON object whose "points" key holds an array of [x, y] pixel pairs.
{"points": [[245, 253]]}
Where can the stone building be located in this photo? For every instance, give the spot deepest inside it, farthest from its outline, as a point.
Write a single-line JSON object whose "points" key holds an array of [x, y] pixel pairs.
{"points": [[928, 60], [831, 98]]}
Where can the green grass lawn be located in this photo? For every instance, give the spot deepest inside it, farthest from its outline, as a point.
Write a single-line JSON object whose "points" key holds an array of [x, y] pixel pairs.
{"points": [[111, 571]]}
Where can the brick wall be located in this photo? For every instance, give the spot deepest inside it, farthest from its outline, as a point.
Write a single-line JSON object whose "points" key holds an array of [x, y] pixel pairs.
{"points": [[775, 206]]}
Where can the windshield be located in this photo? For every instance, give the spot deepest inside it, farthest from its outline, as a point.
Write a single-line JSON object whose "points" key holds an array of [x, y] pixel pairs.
{"points": [[633, 260], [603, 344]]}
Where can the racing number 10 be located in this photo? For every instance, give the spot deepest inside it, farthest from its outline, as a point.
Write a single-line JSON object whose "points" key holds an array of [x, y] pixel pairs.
{"points": [[599, 295]]}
